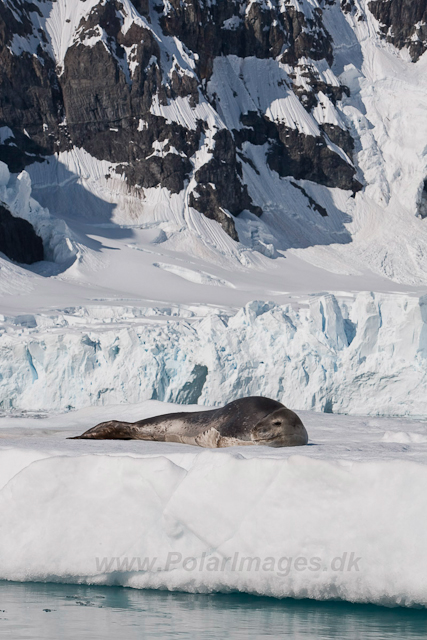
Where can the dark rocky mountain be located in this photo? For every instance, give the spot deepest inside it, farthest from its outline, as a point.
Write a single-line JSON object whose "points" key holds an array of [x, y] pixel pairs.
{"points": [[110, 90], [403, 23]]}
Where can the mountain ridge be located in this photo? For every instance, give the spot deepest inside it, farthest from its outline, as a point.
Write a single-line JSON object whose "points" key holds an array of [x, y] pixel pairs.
{"points": [[261, 116], [117, 65]]}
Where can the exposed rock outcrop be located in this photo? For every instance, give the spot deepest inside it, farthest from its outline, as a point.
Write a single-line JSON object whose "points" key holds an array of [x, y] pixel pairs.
{"points": [[301, 156], [128, 64], [219, 185], [403, 23], [422, 201]]}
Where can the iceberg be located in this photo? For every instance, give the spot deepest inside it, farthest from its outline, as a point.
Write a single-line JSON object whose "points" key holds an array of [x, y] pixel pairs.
{"points": [[342, 518]]}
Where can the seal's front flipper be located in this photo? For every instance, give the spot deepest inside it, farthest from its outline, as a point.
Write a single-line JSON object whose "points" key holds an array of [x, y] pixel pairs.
{"points": [[112, 430], [209, 439]]}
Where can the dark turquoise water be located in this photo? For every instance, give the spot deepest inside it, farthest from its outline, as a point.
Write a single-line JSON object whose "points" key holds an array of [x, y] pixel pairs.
{"points": [[52, 611]]}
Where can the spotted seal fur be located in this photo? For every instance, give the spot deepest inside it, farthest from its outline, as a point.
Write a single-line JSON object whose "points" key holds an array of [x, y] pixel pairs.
{"points": [[248, 421]]}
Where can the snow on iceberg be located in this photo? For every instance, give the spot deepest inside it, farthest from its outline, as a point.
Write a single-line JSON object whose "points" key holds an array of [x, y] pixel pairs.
{"points": [[271, 523], [366, 355]]}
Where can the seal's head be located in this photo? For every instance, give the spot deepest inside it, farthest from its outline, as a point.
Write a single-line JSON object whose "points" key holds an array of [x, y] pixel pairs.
{"points": [[282, 428]]}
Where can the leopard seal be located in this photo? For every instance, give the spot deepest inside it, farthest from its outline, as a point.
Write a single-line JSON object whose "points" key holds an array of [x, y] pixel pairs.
{"points": [[248, 421]]}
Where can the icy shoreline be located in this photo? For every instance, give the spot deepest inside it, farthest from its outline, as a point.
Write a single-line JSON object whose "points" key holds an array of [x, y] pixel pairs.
{"points": [[343, 518]]}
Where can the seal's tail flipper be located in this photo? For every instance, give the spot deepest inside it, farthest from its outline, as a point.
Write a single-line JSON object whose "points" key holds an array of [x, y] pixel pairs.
{"points": [[112, 430]]}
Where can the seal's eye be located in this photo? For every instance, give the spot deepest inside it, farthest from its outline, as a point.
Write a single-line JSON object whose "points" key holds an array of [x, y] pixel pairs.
{"points": [[277, 422]]}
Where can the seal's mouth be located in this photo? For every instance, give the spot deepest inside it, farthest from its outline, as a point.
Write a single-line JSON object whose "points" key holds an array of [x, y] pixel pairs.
{"points": [[277, 440], [262, 440]]}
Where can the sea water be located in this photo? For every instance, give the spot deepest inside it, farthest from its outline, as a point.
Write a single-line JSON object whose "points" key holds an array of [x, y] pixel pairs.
{"points": [[52, 611]]}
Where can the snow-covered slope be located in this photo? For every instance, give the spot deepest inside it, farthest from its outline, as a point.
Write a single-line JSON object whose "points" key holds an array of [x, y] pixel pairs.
{"points": [[296, 126], [134, 318], [293, 131]]}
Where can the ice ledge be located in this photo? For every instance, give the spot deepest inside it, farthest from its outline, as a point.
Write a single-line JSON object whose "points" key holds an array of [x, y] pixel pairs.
{"points": [[295, 527]]}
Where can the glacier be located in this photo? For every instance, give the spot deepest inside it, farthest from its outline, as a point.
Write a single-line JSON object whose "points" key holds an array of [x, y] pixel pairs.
{"points": [[365, 354]]}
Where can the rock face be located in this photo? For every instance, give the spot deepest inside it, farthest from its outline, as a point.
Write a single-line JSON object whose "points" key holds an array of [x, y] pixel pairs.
{"points": [[18, 240], [422, 202], [142, 86], [246, 29], [219, 185], [403, 23]]}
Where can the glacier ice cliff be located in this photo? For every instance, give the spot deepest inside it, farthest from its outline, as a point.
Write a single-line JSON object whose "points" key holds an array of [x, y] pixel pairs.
{"points": [[361, 355]]}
